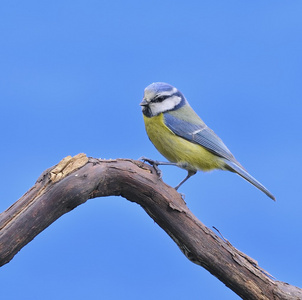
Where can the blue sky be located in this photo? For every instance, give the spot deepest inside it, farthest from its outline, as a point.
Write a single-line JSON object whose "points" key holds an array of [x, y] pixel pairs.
{"points": [[71, 78]]}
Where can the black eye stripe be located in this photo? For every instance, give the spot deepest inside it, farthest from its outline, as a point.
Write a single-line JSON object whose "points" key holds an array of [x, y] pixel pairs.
{"points": [[160, 98]]}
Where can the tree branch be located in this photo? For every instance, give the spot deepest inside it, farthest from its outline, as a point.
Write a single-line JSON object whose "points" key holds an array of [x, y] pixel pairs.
{"points": [[75, 180]]}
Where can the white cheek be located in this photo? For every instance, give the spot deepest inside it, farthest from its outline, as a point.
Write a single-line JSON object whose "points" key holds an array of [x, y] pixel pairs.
{"points": [[166, 105]]}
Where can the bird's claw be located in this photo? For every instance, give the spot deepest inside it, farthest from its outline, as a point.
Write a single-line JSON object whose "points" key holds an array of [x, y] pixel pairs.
{"points": [[157, 170], [154, 164]]}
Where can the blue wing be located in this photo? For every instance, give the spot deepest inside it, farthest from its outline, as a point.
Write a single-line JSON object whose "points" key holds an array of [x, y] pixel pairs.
{"points": [[199, 134]]}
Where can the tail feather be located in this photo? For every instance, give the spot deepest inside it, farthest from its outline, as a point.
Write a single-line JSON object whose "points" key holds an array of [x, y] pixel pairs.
{"points": [[244, 174]]}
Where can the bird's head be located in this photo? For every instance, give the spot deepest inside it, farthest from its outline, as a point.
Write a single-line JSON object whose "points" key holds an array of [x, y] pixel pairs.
{"points": [[160, 97]]}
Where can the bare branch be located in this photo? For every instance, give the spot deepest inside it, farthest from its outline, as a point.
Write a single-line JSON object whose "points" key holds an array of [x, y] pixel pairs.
{"points": [[75, 180]]}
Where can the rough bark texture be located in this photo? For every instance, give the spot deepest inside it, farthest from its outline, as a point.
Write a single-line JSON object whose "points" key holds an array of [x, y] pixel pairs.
{"points": [[75, 180]]}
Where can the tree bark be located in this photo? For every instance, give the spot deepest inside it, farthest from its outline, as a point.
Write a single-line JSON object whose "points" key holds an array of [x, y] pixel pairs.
{"points": [[75, 180]]}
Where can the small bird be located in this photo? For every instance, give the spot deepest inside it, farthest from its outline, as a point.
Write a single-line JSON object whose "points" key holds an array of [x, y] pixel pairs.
{"points": [[183, 138]]}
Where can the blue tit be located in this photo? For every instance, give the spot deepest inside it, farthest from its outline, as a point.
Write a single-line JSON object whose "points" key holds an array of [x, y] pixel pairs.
{"points": [[183, 138]]}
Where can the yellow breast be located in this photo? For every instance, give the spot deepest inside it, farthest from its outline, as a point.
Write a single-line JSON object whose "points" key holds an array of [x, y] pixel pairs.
{"points": [[188, 155]]}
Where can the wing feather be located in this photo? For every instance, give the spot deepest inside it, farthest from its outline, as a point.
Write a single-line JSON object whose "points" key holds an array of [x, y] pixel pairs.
{"points": [[199, 134]]}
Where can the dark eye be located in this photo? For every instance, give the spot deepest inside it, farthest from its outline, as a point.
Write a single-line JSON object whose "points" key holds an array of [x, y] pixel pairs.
{"points": [[160, 98]]}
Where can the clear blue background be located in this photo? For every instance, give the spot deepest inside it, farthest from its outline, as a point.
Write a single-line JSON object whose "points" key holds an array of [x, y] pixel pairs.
{"points": [[72, 74]]}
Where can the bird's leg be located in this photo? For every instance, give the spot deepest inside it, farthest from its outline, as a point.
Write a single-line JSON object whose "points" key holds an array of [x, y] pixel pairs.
{"points": [[190, 173], [156, 163]]}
